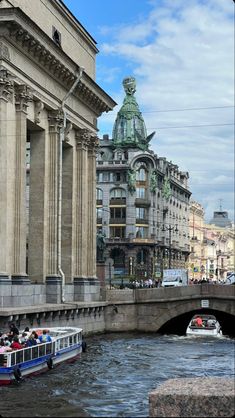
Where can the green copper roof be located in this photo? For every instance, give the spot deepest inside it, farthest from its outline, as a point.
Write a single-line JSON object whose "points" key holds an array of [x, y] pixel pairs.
{"points": [[129, 128]]}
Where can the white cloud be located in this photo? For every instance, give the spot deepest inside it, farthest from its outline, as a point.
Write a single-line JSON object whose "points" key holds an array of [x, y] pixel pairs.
{"points": [[182, 57]]}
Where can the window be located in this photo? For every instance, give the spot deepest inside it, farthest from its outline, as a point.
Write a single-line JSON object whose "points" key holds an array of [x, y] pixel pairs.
{"points": [[141, 175], [119, 213], [99, 194], [56, 36], [141, 257], [141, 232], [106, 176], [117, 193], [140, 192], [141, 213], [117, 232], [99, 213], [117, 177]]}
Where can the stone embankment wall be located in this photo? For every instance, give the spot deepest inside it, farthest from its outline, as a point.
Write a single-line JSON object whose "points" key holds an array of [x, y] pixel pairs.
{"points": [[197, 397]]}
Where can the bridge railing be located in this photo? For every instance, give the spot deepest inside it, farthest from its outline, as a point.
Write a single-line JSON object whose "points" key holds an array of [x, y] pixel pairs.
{"points": [[163, 293]]}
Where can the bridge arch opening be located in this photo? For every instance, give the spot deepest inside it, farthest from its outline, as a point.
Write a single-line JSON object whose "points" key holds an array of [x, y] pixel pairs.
{"points": [[178, 324]]}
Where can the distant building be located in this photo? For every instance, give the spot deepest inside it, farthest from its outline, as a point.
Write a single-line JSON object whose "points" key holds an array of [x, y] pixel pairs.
{"points": [[221, 219], [142, 201], [212, 247]]}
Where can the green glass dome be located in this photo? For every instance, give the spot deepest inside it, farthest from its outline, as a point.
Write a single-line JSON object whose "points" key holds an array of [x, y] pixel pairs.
{"points": [[129, 128]]}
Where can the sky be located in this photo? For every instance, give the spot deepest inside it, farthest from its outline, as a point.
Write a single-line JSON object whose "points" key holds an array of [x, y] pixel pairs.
{"points": [[181, 54]]}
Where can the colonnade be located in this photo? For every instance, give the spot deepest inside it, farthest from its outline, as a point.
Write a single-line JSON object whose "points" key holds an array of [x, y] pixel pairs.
{"points": [[29, 250]]}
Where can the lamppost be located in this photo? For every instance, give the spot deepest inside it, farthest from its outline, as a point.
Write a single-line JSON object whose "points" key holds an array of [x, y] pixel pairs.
{"points": [[170, 228], [218, 254]]}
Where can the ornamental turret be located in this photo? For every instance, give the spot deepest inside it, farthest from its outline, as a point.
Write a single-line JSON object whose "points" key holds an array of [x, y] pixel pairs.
{"points": [[129, 128]]}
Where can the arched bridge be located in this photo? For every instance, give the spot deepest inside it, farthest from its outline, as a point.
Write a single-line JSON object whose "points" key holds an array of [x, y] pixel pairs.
{"points": [[169, 309]]}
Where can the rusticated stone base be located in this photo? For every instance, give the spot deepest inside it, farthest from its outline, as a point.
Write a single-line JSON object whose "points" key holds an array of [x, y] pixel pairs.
{"points": [[197, 397]]}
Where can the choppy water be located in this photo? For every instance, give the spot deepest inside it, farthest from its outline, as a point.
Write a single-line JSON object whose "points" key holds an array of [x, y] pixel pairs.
{"points": [[115, 375]]}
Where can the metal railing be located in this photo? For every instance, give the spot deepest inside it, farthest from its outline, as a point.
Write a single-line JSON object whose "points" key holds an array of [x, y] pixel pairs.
{"points": [[12, 358]]}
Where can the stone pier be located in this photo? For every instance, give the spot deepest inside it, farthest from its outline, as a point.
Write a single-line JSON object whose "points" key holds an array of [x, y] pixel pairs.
{"points": [[193, 397]]}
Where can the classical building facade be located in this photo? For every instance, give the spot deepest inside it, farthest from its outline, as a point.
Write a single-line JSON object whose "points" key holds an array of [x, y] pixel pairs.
{"points": [[142, 201], [49, 105], [212, 247]]}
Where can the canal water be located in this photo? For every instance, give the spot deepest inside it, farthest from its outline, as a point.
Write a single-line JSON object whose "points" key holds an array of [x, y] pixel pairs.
{"points": [[115, 375]]}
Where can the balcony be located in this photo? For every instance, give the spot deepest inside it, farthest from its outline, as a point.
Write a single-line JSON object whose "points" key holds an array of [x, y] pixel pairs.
{"points": [[118, 201], [142, 202], [117, 240], [143, 240], [117, 221], [141, 221]]}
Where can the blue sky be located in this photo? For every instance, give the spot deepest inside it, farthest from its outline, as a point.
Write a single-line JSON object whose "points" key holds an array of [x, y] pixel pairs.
{"points": [[182, 56]]}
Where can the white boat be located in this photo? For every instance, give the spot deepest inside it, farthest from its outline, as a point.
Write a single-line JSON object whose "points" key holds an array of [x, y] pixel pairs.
{"points": [[208, 326], [67, 344]]}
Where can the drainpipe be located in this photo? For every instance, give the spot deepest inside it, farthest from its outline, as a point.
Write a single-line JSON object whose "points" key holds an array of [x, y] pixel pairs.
{"points": [[61, 139]]}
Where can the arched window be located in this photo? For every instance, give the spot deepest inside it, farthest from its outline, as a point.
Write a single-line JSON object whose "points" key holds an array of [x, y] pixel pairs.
{"points": [[117, 193], [118, 257], [141, 174], [141, 257]]}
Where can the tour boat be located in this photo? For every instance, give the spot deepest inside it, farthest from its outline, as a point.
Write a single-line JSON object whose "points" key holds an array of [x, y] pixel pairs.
{"points": [[207, 326], [66, 344]]}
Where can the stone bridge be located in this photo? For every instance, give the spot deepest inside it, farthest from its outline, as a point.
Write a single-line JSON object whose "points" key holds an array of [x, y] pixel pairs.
{"points": [[169, 309], [164, 310]]}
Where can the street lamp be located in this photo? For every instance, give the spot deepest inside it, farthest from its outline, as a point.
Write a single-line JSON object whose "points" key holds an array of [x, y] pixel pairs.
{"points": [[218, 253], [170, 229]]}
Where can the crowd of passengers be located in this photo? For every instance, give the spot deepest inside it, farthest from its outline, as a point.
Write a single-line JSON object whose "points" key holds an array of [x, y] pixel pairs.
{"points": [[14, 340], [199, 322]]}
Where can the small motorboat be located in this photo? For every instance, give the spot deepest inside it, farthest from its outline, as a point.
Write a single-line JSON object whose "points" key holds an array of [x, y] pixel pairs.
{"points": [[204, 325], [66, 345]]}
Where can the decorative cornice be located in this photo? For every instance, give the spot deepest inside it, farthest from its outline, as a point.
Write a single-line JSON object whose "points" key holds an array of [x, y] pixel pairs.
{"points": [[26, 34]]}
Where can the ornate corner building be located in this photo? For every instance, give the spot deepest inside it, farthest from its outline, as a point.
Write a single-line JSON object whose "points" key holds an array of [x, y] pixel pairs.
{"points": [[49, 105], [142, 201]]}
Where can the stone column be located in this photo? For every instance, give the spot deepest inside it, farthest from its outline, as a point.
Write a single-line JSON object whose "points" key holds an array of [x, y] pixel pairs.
{"points": [[81, 284], [37, 213], [22, 97], [53, 278], [6, 89], [91, 261]]}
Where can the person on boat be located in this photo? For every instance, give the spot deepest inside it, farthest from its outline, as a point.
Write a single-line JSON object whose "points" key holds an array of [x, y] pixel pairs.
{"points": [[13, 330], [211, 322], [32, 340], [27, 332], [15, 345], [4, 348], [7, 342], [45, 337], [198, 321], [23, 338]]}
